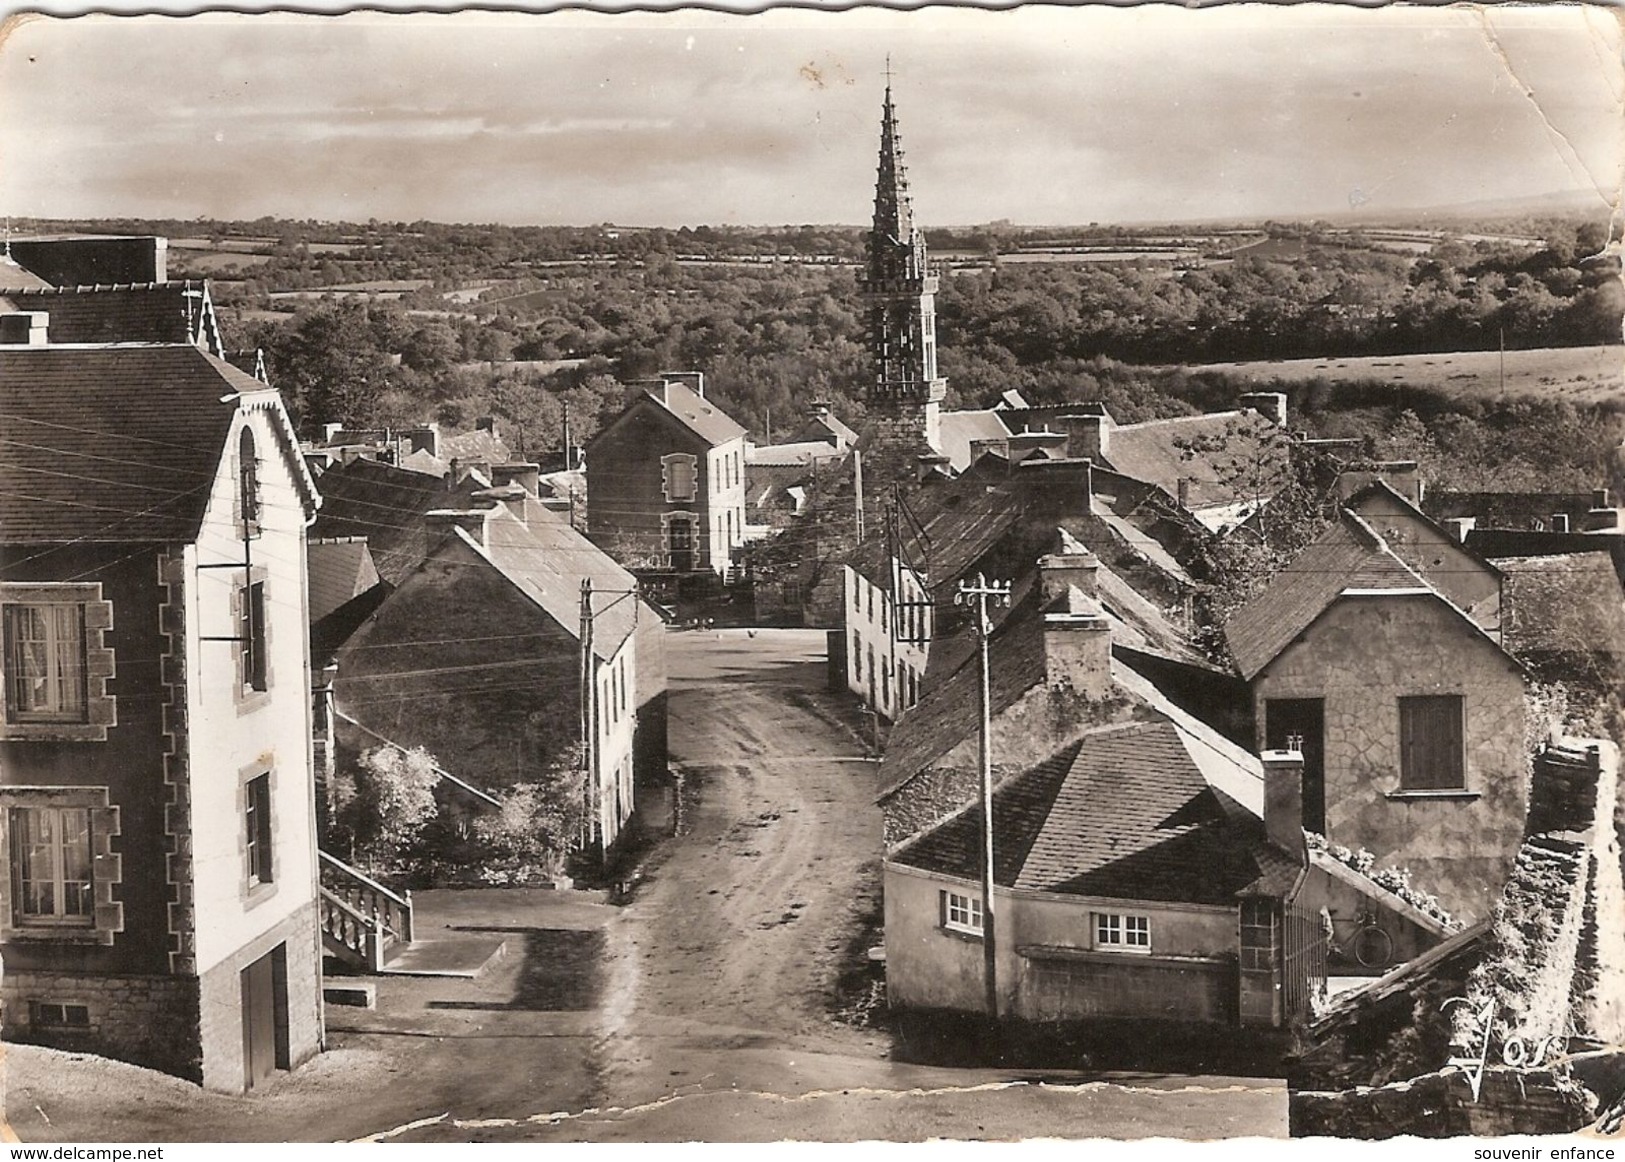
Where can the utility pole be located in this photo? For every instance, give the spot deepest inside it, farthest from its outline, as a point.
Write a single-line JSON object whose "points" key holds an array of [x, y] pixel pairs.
{"points": [[589, 682], [857, 487], [569, 450], [978, 592]]}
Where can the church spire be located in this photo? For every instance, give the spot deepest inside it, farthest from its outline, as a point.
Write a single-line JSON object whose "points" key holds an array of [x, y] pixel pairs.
{"points": [[899, 293], [894, 249]]}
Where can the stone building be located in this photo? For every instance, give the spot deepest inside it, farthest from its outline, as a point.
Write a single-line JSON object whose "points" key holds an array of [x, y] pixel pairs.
{"points": [[666, 482], [1144, 866], [160, 897], [1409, 713]]}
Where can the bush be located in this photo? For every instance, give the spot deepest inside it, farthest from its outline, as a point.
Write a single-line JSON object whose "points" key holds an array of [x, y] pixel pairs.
{"points": [[383, 804]]}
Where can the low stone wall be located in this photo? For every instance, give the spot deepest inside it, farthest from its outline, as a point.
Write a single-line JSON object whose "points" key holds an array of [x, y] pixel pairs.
{"points": [[145, 1020], [1441, 1105]]}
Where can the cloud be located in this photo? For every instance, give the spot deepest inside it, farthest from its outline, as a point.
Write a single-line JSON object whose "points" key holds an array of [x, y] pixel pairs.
{"points": [[1031, 114]]}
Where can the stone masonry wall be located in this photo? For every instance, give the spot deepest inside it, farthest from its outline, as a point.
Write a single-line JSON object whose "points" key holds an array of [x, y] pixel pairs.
{"points": [[1361, 657], [221, 1006], [145, 1020]]}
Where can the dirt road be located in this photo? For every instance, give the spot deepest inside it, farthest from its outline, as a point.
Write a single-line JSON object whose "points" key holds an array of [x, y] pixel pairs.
{"points": [[699, 1011]]}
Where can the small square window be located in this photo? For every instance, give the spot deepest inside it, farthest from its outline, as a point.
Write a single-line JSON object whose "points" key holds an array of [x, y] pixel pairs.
{"points": [[1114, 930], [962, 913]]}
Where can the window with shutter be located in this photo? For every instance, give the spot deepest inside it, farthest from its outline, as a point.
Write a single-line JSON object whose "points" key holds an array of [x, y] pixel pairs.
{"points": [[1430, 743]]}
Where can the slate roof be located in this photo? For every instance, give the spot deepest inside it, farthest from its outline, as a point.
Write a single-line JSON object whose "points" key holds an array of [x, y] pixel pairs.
{"points": [[1127, 812], [387, 506], [338, 570], [1565, 604], [547, 560], [947, 710], [1160, 452], [479, 446], [156, 312], [956, 430], [15, 277], [698, 414], [821, 427], [111, 443], [1348, 555]]}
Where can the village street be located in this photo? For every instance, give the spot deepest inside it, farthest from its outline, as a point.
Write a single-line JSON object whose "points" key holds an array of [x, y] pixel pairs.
{"points": [[699, 1011], [713, 1014]]}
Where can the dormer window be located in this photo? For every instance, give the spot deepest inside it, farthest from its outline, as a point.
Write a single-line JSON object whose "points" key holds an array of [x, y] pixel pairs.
{"points": [[248, 484]]}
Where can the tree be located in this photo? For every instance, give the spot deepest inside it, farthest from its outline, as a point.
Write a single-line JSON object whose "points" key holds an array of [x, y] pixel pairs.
{"points": [[538, 823], [384, 802]]}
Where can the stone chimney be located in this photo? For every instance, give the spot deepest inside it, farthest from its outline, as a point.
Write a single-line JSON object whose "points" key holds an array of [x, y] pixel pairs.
{"points": [[1269, 404], [473, 521], [25, 328], [1459, 526], [486, 424], [1560, 522], [1283, 800], [1088, 435], [1077, 635], [1185, 492], [330, 432], [527, 476]]}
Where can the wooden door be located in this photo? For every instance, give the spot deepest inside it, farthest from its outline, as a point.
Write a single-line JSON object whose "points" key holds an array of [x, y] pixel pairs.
{"points": [[259, 1021]]}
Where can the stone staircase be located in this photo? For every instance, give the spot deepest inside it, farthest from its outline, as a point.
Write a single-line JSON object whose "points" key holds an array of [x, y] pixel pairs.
{"points": [[363, 922]]}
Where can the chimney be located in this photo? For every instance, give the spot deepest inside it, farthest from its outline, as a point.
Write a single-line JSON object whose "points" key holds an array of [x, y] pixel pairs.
{"points": [[1459, 526], [512, 495], [470, 520], [1283, 800], [1077, 636], [527, 476], [1269, 404], [25, 328], [1599, 498], [486, 424], [330, 432], [425, 439], [1088, 435], [693, 380], [1560, 522], [1185, 492], [819, 409], [1070, 565]]}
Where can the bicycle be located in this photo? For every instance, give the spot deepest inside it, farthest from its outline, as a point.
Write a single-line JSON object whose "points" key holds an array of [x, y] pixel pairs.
{"points": [[1369, 945]]}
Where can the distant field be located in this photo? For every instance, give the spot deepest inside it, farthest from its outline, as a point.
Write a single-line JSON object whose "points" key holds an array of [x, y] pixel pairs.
{"points": [[207, 262], [1578, 374]]}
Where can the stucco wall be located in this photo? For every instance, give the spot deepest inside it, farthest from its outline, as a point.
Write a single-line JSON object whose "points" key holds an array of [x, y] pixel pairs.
{"points": [[1447, 566], [231, 734], [892, 658], [1362, 656], [929, 966]]}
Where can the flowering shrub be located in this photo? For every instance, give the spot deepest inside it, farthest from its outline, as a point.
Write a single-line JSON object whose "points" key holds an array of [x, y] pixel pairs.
{"points": [[1396, 880]]}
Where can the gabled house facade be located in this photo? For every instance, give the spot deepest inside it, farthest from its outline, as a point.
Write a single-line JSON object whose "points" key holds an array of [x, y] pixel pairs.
{"points": [[1144, 866], [159, 895], [510, 643], [666, 482], [1409, 713]]}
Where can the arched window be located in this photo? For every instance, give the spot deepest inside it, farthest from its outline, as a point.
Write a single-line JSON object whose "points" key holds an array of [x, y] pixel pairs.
{"points": [[248, 483]]}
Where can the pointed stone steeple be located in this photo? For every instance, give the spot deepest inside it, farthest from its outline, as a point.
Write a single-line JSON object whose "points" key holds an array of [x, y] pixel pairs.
{"points": [[900, 297]]}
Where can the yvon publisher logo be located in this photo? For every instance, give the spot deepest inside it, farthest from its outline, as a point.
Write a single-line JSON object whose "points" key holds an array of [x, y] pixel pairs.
{"points": [[1470, 1050]]}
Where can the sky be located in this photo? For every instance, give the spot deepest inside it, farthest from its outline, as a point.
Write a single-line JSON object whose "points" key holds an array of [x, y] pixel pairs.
{"points": [[1036, 115]]}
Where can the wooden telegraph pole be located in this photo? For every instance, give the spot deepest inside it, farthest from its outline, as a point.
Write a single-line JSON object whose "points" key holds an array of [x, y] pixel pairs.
{"points": [[978, 592]]}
